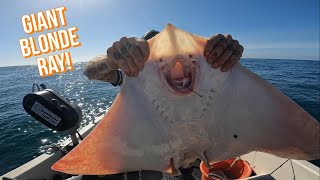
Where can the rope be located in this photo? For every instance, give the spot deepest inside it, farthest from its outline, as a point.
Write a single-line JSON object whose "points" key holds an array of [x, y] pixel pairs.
{"points": [[294, 175], [279, 166], [254, 158], [79, 135], [232, 164], [33, 87]]}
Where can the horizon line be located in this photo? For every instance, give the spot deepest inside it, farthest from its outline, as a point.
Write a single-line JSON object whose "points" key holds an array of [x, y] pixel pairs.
{"points": [[241, 58]]}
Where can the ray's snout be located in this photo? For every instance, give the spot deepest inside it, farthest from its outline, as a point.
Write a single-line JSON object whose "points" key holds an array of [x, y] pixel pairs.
{"points": [[178, 74]]}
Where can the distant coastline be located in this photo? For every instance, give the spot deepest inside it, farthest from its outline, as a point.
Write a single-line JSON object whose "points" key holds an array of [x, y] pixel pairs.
{"points": [[282, 59]]}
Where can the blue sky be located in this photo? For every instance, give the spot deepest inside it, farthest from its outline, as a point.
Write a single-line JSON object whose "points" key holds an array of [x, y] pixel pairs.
{"points": [[286, 29]]}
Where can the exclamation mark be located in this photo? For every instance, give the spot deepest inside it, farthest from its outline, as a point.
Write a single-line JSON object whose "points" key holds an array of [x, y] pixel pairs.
{"points": [[69, 61]]}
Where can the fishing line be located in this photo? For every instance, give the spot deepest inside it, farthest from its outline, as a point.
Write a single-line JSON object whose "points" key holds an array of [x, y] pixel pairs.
{"points": [[194, 92]]}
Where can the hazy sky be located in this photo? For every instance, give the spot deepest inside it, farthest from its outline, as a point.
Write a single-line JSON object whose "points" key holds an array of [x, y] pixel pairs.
{"points": [[281, 29]]}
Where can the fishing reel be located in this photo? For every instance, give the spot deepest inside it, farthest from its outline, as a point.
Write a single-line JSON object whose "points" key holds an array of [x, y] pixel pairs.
{"points": [[54, 111]]}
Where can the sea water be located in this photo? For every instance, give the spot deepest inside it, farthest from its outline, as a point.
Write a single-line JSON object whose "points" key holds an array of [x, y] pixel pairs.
{"points": [[22, 138]]}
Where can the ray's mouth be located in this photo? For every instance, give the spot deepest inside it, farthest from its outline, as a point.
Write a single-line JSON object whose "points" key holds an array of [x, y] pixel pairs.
{"points": [[180, 76]]}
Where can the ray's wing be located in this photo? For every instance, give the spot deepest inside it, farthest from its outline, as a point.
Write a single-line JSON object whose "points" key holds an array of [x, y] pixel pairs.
{"points": [[128, 138], [275, 123], [248, 114]]}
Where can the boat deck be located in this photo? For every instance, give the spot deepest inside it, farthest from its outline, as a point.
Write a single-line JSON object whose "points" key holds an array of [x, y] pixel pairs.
{"points": [[263, 165]]}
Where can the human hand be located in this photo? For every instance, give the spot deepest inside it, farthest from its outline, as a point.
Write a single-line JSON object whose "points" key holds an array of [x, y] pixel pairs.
{"points": [[222, 51], [129, 55]]}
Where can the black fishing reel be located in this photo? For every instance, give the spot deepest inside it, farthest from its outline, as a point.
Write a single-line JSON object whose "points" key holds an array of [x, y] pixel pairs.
{"points": [[54, 111]]}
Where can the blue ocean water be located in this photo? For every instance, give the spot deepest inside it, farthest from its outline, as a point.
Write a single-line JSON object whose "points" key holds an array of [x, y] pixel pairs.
{"points": [[22, 138]]}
